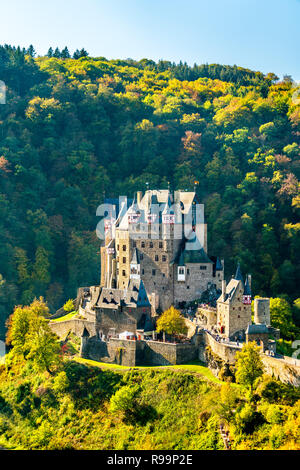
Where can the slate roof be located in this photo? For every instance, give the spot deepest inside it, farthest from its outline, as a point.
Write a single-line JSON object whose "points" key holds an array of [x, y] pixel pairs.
{"points": [[247, 289], [185, 256], [230, 291], [134, 296], [238, 275], [135, 257], [219, 266], [259, 328]]}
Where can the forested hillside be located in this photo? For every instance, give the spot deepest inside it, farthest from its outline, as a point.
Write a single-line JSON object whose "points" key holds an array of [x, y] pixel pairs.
{"points": [[74, 129]]}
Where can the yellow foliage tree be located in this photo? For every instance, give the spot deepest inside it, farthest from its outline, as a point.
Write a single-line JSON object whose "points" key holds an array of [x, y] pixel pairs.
{"points": [[171, 322]]}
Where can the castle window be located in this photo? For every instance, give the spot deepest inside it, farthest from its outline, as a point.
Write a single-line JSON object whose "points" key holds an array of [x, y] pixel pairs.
{"points": [[156, 257], [188, 271], [124, 260], [239, 316], [153, 272], [151, 244], [123, 272], [203, 268], [164, 258], [187, 287], [143, 244], [118, 247], [160, 244], [143, 271], [124, 247]]}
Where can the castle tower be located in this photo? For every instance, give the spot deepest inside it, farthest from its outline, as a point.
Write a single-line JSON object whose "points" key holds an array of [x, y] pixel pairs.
{"points": [[262, 311], [233, 307], [84, 341]]}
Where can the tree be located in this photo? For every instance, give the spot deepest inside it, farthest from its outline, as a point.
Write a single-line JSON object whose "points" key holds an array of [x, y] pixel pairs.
{"points": [[69, 306], [43, 343], [76, 54], [249, 366], [30, 336], [17, 330], [228, 402], [31, 50], [282, 317], [50, 52], [65, 54], [171, 322], [57, 53], [125, 400]]}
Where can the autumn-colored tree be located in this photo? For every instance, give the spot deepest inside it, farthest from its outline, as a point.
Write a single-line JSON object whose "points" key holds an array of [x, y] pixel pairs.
{"points": [[69, 306], [171, 322], [31, 337]]}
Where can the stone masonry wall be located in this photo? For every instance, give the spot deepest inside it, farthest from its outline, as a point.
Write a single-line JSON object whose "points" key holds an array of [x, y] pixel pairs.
{"points": [[285, 369], [75, 326]]}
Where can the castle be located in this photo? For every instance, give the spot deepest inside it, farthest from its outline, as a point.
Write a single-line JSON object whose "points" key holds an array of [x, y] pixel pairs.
{"points": [[154, 255], [155, 240]]}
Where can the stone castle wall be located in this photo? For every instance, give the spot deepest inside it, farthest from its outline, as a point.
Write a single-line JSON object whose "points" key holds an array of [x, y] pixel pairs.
{"points": [[75, 326], [225, 351], [132, 353], [286, 369]]}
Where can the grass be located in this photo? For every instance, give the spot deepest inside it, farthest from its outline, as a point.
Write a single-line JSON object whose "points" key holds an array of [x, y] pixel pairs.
{"points": [[68, 316], [195, 366]]}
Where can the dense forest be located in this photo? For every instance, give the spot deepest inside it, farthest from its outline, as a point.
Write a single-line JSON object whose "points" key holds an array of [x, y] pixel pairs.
{"points": [[74, 130]]}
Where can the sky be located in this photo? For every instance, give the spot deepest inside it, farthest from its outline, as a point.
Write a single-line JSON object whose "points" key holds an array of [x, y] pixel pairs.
{"points": [[261, 35]]}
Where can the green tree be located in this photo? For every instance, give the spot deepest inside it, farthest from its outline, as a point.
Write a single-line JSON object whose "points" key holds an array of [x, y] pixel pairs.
{"points": [[44, 345], [249, 366], [69, 306], [282, 317]]}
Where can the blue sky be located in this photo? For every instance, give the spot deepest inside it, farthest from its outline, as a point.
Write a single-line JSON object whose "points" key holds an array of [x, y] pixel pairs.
{"points": [[260, 34]]}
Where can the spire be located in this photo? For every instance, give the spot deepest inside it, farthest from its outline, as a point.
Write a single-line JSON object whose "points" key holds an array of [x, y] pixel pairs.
{"points": [[135, 257], [219, 266], [238, 275], [247, 289]]}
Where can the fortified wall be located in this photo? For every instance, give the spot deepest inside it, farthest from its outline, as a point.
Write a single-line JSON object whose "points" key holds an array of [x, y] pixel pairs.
{"points": [[75, 326], [286, 369], [132, 353]]}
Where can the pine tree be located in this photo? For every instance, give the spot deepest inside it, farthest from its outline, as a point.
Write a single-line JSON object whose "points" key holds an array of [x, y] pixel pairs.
{"points": [[31, 50], [57, 53], [65, 54], [76, 54], [50, 52], [83, 53]]}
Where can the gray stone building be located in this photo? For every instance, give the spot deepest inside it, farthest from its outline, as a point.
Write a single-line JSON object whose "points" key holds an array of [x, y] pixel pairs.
{"points": [[160, 239]]}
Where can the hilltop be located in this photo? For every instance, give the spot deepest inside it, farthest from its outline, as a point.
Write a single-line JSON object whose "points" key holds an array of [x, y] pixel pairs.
{"points": [[74, 129]]}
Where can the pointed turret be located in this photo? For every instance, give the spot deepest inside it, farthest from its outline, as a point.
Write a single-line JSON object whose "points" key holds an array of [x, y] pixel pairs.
{"points": [[247, 291], [238, 275], [219, 266], [135, 266]]}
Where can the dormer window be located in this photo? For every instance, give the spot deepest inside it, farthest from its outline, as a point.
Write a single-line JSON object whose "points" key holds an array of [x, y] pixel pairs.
{"points": [[181, 273]]}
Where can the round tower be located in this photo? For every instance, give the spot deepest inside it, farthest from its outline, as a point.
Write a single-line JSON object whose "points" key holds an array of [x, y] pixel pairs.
{"points": [[262, 311]]}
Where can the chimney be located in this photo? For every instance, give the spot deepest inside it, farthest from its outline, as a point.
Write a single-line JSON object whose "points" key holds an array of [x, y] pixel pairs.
{"points": [[223, 288]]}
